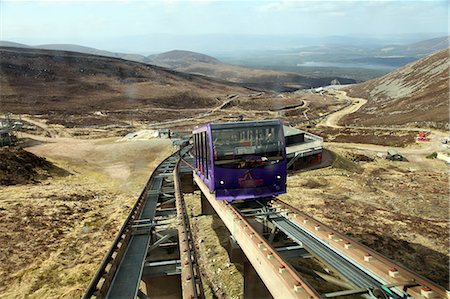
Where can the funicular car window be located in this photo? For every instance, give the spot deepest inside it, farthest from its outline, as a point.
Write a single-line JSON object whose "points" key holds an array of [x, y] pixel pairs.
{"points": [[196, 151], [208, 155], [247, 147], [202, 154]]}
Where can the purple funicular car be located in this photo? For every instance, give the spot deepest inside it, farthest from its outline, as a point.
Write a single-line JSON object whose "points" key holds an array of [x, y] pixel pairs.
{"points": [[241, 160]]}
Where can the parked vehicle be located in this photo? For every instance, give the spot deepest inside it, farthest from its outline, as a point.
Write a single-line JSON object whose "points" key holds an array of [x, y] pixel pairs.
{"points": [[423, 136], [446, 140], [393, 155]]}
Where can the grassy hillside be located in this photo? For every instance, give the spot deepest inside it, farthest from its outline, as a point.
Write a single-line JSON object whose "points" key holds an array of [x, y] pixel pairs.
{"points": [[415, 95]]}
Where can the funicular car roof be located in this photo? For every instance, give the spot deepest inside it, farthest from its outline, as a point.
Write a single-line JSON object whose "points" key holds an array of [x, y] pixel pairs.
{"points": [[244, 124]]}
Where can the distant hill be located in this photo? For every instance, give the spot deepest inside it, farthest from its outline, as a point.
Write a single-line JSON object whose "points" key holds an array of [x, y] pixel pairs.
{"points": [[359, 61], [77, 48], [196, 63], [416, 94], [36, 81], [419, 49], [4, 43], [180, 58], [93, 51]]}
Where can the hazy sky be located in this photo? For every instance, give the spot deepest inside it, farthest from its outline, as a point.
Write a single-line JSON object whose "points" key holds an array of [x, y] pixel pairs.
{"points": [[103, 23]]}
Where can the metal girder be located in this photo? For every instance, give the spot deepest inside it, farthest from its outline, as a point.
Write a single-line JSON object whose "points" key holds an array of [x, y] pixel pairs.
{"points": [[141, 295], [161, 268], [168, 190], [290, 252], [406, 284], [280, 278], [388, 272], [167, 234], [125, 283], [166, 212], [190, 274], [167, 202], [119, 272], [272, 234], [354, 274]]}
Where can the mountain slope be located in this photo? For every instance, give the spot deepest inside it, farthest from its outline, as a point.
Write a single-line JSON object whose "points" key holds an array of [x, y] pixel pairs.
{"points": [[179, 58], [38, 81], [419, 49], [4, 43], [196, 63], [416, 95], [93, 51]]}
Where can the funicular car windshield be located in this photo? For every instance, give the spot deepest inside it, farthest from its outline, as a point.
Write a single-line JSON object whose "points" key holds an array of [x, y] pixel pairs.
{"points": [[247, 147]]}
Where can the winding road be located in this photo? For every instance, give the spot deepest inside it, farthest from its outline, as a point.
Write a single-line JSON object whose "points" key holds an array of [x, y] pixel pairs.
{"points": [[333, 119], [414, 153]]}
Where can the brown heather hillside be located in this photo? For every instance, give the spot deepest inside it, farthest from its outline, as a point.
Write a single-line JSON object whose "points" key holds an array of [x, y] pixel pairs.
{"points": [[85, 91], [66, 83], [18, 166], [269, 80], [414, 95]]}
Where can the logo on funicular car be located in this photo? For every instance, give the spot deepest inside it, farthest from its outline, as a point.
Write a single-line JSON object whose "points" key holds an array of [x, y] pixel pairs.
{"points": [[248, 181]]}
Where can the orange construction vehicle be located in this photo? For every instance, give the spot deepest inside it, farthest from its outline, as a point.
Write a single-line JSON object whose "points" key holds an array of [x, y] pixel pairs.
{"points": [[423, 137]]}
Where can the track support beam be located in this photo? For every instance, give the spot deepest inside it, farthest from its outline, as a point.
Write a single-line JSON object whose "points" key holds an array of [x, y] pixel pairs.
{"points": [[278, 276]]}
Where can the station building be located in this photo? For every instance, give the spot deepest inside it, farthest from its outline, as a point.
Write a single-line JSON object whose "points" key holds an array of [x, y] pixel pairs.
{"points": [[303, 149]]}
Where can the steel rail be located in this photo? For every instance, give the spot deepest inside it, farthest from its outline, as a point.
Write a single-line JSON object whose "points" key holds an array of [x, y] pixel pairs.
{"points": [[381, 266], [102, 279], [280, 278], [351, 272], [190, 273], [404, 281]]}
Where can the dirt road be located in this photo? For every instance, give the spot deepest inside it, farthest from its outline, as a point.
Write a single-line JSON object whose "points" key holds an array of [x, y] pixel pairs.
{"points": [[333, 119], [49, 132], [415, 153], [398, 209]]}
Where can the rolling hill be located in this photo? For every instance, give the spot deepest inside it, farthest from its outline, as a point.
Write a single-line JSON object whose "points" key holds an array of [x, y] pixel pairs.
{"points": [[93, 51], [36, 81], [416, 95], [195, 63], [79, 49], [13, 44], [419, 49]]}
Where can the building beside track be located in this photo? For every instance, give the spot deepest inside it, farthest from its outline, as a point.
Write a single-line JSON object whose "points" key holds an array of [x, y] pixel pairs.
{"points": [[303, 149]]}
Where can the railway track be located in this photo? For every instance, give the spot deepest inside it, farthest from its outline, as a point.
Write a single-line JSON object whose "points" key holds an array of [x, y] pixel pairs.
{"points": [[155, 245], [255, 225]]}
